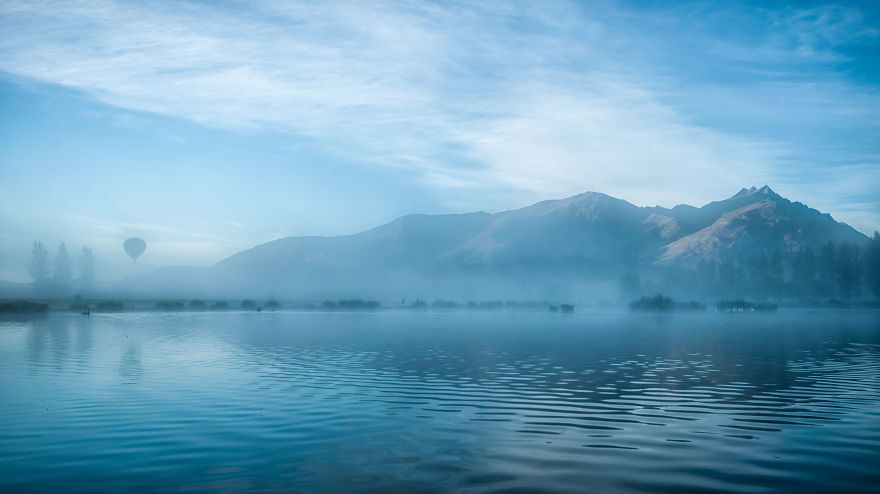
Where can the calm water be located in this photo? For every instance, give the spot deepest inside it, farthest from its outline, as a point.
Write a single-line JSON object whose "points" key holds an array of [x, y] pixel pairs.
{"points": [[385, 402]]}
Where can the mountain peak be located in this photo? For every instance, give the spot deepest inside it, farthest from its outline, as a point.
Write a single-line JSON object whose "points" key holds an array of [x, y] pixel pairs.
{"points": [[755, 191], [527, 252]]}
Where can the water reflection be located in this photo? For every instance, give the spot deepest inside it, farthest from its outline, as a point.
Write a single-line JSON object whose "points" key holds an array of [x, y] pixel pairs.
{"points": [[386, 401], [130, 366]]}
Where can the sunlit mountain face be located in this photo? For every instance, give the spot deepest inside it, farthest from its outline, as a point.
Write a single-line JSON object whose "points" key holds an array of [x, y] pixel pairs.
{"points": [[212, 128], [434, 246], [573, 247]]}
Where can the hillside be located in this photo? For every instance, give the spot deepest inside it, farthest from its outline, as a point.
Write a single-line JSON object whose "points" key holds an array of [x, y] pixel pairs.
{"points": [[556, 248]]}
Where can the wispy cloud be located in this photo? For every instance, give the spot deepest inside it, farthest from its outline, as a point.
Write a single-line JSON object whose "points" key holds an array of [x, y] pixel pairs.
{"points": [[544, 98], [817, 32], [139, 228]]}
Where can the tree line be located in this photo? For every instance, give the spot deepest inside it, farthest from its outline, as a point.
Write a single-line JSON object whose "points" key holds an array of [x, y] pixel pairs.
{"points": [[837, 270], [58, 274]]}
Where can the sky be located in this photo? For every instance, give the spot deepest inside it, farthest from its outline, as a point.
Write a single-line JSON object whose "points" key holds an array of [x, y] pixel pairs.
{"points": [[210, 127]]}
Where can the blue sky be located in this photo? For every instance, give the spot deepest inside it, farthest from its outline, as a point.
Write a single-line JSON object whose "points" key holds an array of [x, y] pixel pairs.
{"points": [[209, 127]]}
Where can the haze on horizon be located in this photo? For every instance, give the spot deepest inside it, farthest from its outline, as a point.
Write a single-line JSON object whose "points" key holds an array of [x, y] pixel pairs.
{"points": [[207, 129]]}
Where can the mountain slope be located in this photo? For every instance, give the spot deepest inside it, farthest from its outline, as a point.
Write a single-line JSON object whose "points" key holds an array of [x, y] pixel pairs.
{"points": [[584, 230], [542, 249], [751, 222]]}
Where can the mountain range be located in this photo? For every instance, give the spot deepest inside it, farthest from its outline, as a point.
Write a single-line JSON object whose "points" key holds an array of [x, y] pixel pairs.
{"points": [[567, 248]]}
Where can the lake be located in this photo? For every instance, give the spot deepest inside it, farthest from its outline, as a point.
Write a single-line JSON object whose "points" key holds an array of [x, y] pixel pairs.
{"points": [[396, 401]]}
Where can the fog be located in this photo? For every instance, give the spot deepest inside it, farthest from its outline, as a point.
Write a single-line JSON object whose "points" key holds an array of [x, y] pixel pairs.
{"points": [[425, 246], [590, 249]]}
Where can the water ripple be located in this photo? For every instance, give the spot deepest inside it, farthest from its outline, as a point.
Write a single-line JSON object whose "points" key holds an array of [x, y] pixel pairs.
{"points": [[383, 402]]}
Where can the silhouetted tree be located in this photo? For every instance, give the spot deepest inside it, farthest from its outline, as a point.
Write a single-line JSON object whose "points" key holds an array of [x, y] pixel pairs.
{"points": [[827, 269], [87, 266], [730, 278], [657, 302], [63, 268], [849, 273], [758, 274], [872, 265], [707, 277], [38, 268], [775, 278], [22, 307], [169, 305], [803, 273]]}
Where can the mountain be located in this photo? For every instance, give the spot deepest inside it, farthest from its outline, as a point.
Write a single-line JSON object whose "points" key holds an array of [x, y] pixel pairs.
{"points": [[753, 221], [550, 249]]}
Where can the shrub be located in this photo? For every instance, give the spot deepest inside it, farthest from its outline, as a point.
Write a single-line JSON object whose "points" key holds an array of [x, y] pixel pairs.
{"points": [[169, 305], [350, 304], [657, 302], [740, 305], [23, 307]]}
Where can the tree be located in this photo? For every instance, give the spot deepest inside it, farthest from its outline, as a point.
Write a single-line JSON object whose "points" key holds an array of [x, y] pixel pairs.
{"points": [[803, 273], [38, 268], [758, 274], [63, 267], [849, 275], [775, 274], [707, 277], [730, 278], [827, 268], [87, 266], [872, 264]]}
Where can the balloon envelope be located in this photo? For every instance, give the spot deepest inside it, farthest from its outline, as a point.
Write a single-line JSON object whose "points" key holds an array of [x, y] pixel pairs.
{"points": [[134, 247]]}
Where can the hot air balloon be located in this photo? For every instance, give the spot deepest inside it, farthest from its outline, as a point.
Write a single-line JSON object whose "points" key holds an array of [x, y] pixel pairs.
{"points": [[134, 247]]}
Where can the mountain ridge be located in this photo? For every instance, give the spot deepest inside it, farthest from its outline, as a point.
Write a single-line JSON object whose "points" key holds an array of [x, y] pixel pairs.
{"points": [[544, 247]]}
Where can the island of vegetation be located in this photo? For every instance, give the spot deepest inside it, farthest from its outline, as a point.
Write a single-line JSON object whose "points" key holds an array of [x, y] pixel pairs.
{"points": [[352, 304], [740, 305], [23, 307], [661, 302]]}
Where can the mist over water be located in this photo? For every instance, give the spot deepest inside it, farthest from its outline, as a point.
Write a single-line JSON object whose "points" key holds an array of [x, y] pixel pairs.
{"points": [[615, 246], [396, 401]]}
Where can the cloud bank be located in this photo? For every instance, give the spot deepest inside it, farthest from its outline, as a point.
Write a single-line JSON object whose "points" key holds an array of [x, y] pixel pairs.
{"points": [[533, 99]]}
